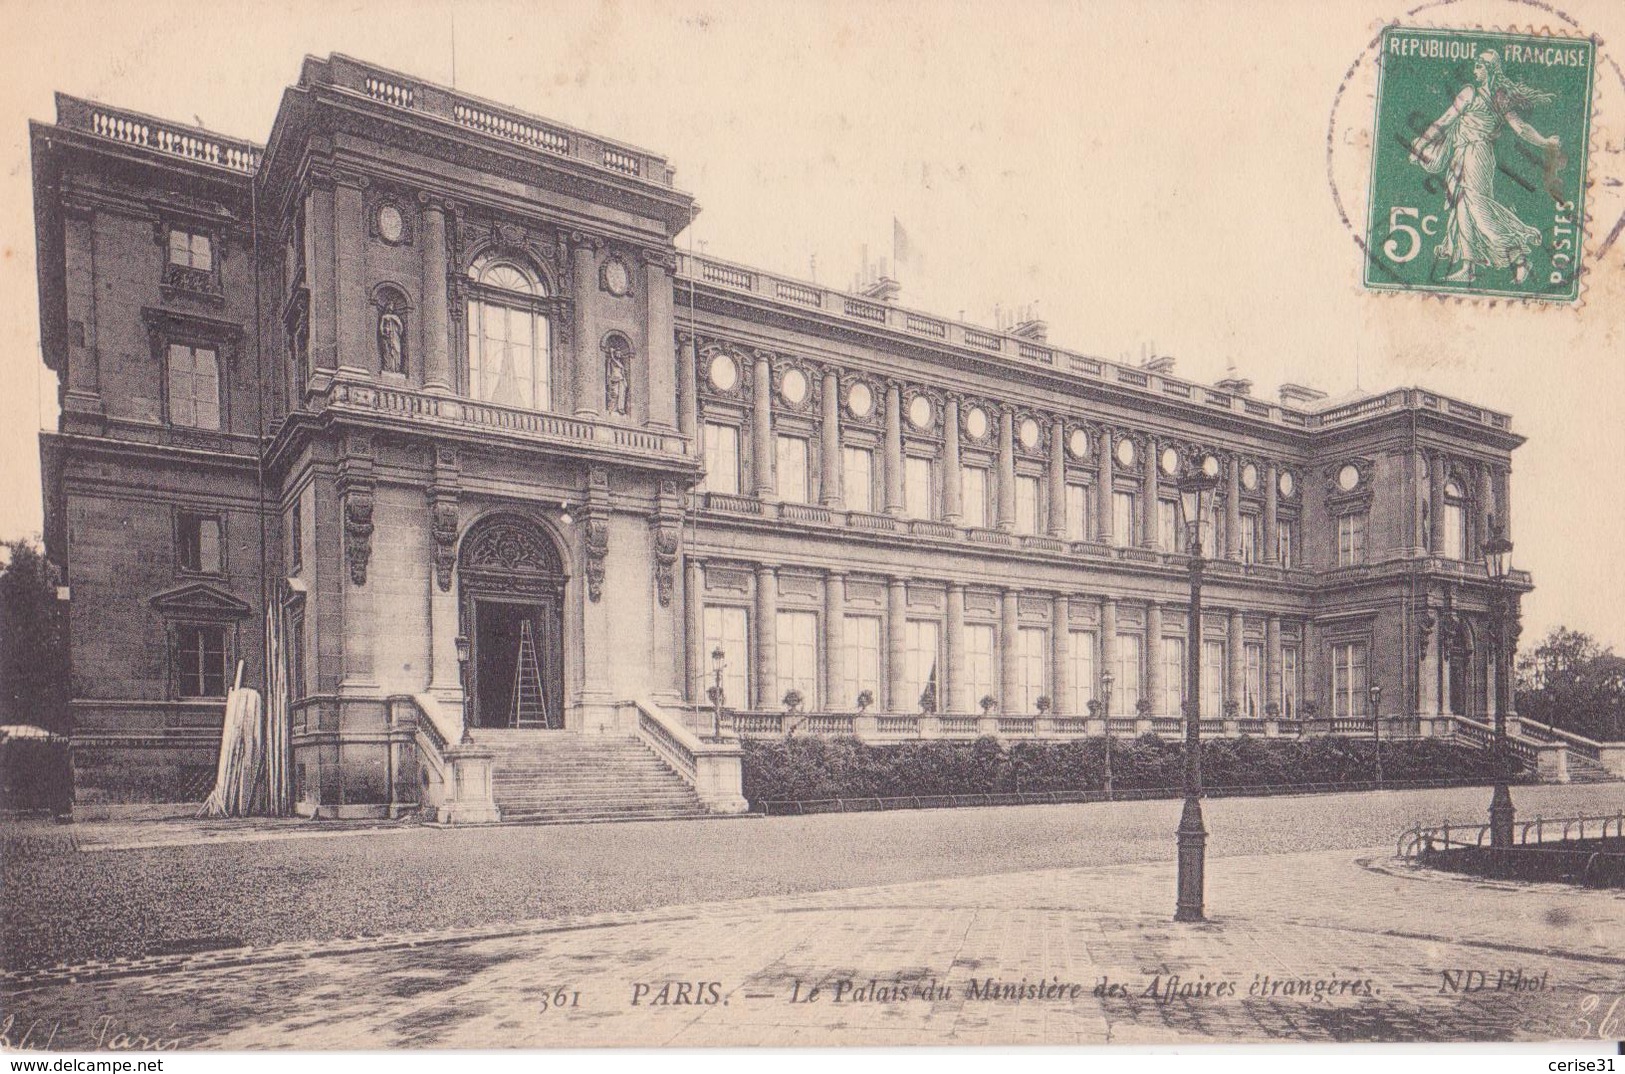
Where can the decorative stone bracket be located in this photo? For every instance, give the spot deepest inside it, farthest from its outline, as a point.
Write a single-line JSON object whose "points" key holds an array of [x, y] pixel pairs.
{"points": [[443, 514], [595, 527], [356, 489], [668, 533]]}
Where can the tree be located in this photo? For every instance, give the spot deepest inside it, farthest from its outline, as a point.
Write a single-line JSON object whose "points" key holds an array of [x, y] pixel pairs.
{"points": [[33, 641], [1571, 681]]}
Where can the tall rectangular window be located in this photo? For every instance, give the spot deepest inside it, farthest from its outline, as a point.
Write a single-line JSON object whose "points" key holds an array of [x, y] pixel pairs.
{"points": [[194, 386], [1169, 538], [721, 458], [296, 653], [1213, 530], [1173, 676], [1032, 660], [1130, 669], [1349, 680], [917, 487], [792, 457], [1290, 682], [1123, 517], [200, 660], [1287, 542], [858, 478], [1455, 530], [508, 351], [1213, 676], [1080, 655], [197, 543], [973, 495], [980, 660], [1253, 706], [798, 655], [1077, 513], [1026, 504], [727, 628], [191, 250], [861, 666], [920, 647], [296, 535], [1250, 539], [1351, 539]]}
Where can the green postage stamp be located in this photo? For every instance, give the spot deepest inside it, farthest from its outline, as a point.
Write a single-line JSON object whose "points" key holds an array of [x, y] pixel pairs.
{"points": [[1478, 164]]}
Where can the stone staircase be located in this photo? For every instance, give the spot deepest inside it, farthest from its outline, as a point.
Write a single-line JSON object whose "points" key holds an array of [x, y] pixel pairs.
{"points": [[561, 777], [1583, 769]]}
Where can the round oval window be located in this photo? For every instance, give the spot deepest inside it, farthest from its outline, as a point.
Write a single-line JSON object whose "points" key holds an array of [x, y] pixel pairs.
{"points": [[724, 373], [1029, 433], [919, 412], [860, 400], [1170, 461], [1249, 477], [1288, 483], [976, 422], [793, 386], [1078, 443], [1348, 477], [1125, 452]]}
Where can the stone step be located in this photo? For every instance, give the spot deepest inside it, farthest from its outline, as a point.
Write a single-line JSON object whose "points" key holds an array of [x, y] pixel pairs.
{"points": [[580, 801], [600, 818]]}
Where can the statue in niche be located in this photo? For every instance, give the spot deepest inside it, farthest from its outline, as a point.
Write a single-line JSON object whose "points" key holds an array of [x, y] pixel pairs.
{"points": [[391, 342], [617, 375]]}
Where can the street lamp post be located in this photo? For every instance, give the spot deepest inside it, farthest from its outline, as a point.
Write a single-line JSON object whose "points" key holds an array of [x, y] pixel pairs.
{"points": [[1196, 497], [1497, 552], [1106, 681], [716, 691], [1376, 727]]}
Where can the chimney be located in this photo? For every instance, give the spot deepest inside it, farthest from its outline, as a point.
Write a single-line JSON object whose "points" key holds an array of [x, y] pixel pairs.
{"points": [[1158, 363], [1235, 385], [1297, 395]]}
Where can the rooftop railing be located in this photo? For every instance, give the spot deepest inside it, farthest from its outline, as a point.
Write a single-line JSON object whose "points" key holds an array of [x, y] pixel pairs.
{"points": [[1019, 350], [160, 136]]}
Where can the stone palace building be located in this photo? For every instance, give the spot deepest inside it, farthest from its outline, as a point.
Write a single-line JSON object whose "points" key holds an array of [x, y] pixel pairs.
{"points": [[429, 378]]}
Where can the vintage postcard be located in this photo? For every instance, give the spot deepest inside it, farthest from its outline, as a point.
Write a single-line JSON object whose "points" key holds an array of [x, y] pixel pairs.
{"points": [[1102, 533]]}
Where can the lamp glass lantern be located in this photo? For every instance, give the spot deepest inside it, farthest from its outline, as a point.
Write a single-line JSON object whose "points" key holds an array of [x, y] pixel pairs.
{"points": [[1196, 498], [1497, 553]]}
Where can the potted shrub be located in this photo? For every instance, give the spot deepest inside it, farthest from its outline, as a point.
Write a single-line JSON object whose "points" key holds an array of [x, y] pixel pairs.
{"points": [[793, 701], [1094, 710], [928, 698], [1042, 704], [865, 699], [1272, 711], [1232, 709], [1142, 708], [987, 703]]}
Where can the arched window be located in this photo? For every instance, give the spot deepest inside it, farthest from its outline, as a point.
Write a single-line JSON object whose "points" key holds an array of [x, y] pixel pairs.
{"points": [[508, 353], [1455, 520]]}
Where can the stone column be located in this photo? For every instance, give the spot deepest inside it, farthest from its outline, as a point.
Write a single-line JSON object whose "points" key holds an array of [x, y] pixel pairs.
{"points": [[437, 376], [1236, 658], [699, 661], [894, 449], [662, 339], [1436, 478], [767, 638], [952, 509], [1155, 688], [953, 687], [1103, 488], [1309, 657], [1148, 493], [1060, 666], [1009, 623], [896, 640], [689, 390], [830, 491], [1232, 509], [1108, 650], [1272, 514], [84, 394], [835, 699], [324, 348], [587, 382], [761, 430], [1007, 469], [1503, 499], [1057, 479], [357, 352], [1272, 660]]}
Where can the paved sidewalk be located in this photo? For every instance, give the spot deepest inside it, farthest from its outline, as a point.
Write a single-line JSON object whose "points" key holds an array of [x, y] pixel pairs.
{"points": [[1373, 937]]}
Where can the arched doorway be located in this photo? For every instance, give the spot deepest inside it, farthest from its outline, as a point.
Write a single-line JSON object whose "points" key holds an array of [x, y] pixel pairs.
{"points": [[1466, 692], [512, 580]]}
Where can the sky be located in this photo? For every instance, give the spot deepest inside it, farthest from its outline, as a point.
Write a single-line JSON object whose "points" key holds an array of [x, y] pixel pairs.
{"points": [[1165, 178]]}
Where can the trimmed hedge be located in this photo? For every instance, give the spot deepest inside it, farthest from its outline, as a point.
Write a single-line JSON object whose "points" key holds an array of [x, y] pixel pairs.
{"points": [[810, 769], [36, 774]]}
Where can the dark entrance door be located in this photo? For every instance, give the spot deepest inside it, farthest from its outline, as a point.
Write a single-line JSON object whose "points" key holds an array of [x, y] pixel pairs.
{"points": [[513, 585], [518, 680]]}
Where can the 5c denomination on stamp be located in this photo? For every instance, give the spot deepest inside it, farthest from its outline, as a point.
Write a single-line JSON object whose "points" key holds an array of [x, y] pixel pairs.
{"points": [[1478, 166]]}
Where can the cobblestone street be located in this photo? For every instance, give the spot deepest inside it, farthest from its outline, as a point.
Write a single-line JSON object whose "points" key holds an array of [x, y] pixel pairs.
{"points": [[1340, 944]]}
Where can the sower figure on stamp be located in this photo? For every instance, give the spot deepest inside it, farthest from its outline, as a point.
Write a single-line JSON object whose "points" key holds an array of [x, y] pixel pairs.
{"points": [[1481, 231]]}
